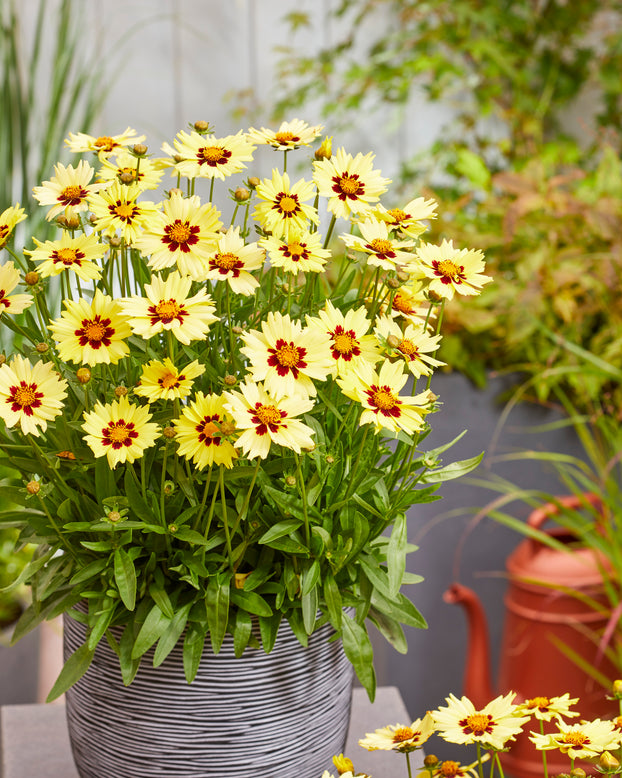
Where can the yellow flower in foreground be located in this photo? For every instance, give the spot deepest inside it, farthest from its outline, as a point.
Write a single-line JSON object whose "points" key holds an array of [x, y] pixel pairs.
{"points": [[264, 420], [233, 260], [9, 279], [579, 741], [493, 726], [183, 233], [287, 357], [30, 395], [124, 168], [382, 250], [451, 769], [90, 333], [168, 307], [163, 381], [68, 189], [409, 219], [8, 219], [449, 269], [119, 430], [399, 737], [103, 145], [343, 764], [379, 394], [301, 251], [69, 253], [199, 432], [548, 708], [413, 345], [118, 209], [350, 183], [282, 208], [207, 157], [290, 135]]}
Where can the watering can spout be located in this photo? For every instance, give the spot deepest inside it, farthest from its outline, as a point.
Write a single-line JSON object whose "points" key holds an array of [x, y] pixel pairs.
{"points": [[477, 676]]}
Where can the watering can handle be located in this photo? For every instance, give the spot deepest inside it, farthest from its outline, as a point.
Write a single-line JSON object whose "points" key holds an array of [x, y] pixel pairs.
{"points": [[538, 517]]}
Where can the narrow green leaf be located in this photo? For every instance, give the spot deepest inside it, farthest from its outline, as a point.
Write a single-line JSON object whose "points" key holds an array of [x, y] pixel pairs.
{"points": [[332, 598], [251, 602], [194, 643], [125, 577], [279, 530], [269, 628], [396, 553], [359, 651], [169, 639], [217, 604], [73, 669], [241, 632], [162, 600], [310, 577], [309, 610], [151, 630]]}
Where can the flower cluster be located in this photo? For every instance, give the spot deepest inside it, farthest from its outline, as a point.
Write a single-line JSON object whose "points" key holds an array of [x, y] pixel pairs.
{"points": [[493, 729], [206, 401]]}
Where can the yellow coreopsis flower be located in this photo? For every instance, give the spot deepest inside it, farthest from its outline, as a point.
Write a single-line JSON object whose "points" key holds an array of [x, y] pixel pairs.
{"points": [[414, 345], [584, 740], [92, 333], [118, 209], [449, 269], [103, 145], [167, 306], [8, 219], [69, 253], [125, 168], [374, 241], [301, 252], [199, 432], [264, 419], [163, 381], [68, 190], [290, 135], [409, 219], [183, 233], [233, 260], [120, 431], [205, 156], [9, 279], [399, 737], [282, 208], [549, 708], [30, 395]]}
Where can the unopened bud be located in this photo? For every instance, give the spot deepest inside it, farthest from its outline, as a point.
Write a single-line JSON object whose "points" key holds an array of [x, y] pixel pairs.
{"points": [[139, 149], [127, 177], [617, 687], [434, 297], [325, 149], [73, 221], [393, 283], [290, 480], [330, 460], [83, 375], [115, 241], [114, 516], [169, 432], [241, 194], [42, 348], [608, 761], [2, 359], [393, 341], [430, 760], [237, 330], [230, 380], [120, 391], [33, 487], [92, 218], [403, 276], [31, 278], [253, 182], [61, 220], [201, 126], [175, 192], [178, 158], [172, 528], [227, 428], [168, 488], [343, 764], [578, 772]]}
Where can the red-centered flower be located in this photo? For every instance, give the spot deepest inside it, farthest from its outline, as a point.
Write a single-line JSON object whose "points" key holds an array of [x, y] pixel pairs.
{"points": [[286, 357]]}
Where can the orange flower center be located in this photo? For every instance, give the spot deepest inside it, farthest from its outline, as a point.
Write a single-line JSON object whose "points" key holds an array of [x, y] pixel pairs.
{"points": [[576, 738], [477, 723], [268, 415], [399, 216], [167, 309], [71, 192], [384, 400], [450, 769], [124, 210], [402, 303], [448, 269], [296, 250], [178, 232], [66, 256], [288, 204], [213, 154], [118, 433], [407, 347], [288, 355], [402, 734], [24, 396], [349, 185], [344, 343], [94, 331], [105, 142], [538, 702], [169, 380], [381, 246], [286, 137], [209, 429], [226, 261]]}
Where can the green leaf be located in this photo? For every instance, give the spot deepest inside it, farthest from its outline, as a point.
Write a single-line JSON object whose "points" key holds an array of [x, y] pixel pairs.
{"points": [[217, 605], [451, 471], [73, 669], [125, 577], [251, 602], [310, 577], [269, 628], [390, 629], [151, 630], [100, 626], [129, 665], [400, 608], [135, 499], [359, 651], [169, 639], [190, 536], [194, 642], [332, 597], [241, 632], [279, 530], [396, 553], [309, 610], [162, 600]]}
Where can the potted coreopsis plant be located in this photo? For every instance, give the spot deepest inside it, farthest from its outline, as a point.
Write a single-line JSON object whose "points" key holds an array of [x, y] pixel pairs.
{"points": [[214, 419]]}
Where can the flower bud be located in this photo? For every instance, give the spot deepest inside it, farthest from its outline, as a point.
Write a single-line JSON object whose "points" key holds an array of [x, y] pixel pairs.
{"points": [[169, 432], [33, 487], [241, 194], [120, 391], [434, 297], [578, 772], [2, 359], [393, 341], [172, 528], [393, 283], [325, 149], [230, 380], [343, 764], [92, 218], [430, 760], [290, 480], [237, 330], [139, 149], [330, 460], [168, 488], [73, 221], [201, 127], [239, 579], [126, 177], [608, 761], [178, 158], [42, 348], [617, 687], [227, 428], [175, 192], [114, 516], [31, 278], [61, 220], [253, 182], [83, 375], [115, 241]]}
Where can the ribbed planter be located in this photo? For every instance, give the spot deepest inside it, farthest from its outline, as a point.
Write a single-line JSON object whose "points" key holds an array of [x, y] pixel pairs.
{"points": [[263, 715]]}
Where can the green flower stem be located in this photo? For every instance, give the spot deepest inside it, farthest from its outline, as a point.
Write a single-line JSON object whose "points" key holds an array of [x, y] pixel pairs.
{"points": [[244, 232], [247, 496], [170, 345], [480, 766], [57, 529], [162, 481], [199, 516], [235, 213], [225, 523], [285, 160], [410, 774], [498, 761], [356, 464], [230, 327], [329, 232], [303, 495], [212, 508], [211, 189], [544, 764]]}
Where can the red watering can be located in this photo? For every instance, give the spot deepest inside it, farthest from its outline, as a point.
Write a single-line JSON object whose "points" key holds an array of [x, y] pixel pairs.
{"points": [[543, 612]]}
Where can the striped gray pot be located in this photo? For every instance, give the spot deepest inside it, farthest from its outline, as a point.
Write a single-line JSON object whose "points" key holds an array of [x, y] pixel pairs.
{"points": [[277, 715]]}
